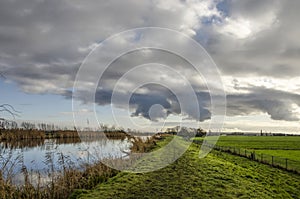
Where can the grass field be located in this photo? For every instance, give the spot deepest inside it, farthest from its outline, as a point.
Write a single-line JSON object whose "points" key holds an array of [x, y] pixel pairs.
{"points": [[218, 175], [260, 142], [280, 146], [290, 154], [281, 151]]}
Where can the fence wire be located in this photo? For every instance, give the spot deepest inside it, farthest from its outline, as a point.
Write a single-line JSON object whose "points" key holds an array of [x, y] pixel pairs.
{"points": [[275, 161]]}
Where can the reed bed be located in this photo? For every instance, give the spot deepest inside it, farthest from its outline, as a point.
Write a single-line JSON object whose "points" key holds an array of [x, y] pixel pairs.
{"points": [[22, 134], [141, 146], [61, 182], [59, 185]]}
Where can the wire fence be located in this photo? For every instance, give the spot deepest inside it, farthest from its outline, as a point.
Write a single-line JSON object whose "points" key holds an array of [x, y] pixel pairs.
{"points": [[275, 161]]}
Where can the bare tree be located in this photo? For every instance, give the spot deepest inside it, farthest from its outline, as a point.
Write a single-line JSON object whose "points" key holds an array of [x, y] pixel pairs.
{"points": [[28, 125], [7, 108]]}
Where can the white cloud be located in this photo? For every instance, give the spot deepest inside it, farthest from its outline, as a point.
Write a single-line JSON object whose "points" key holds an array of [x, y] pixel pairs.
{"points": [[238, 84], [242, 28], [243, 25]]}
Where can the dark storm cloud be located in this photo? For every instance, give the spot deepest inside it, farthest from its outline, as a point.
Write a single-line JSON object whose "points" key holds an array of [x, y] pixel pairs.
{"points": [[277, 104], [141, 102]]}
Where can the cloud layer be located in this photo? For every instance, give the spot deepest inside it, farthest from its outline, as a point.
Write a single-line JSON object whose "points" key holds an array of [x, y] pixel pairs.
{"points": [[43, 43]]}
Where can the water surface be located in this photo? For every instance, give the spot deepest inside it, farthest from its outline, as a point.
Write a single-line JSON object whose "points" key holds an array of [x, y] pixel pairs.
{"points": [[44, 156]]}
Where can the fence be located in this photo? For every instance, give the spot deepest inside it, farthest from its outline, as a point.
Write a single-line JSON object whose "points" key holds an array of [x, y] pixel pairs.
{"points": [[275, 161]]}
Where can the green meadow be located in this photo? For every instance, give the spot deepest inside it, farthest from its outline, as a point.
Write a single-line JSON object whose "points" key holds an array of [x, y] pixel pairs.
{"points": [[289, 154], [261, 142], [279, 146]]}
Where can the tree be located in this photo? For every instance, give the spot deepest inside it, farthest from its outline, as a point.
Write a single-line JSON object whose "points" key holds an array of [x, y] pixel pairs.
{"points": [[200, 132], [28, 126], [4, 123], [104, 128], [13, 125]]}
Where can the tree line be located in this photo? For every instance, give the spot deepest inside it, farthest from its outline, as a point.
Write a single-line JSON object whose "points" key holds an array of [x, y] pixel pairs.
{"points": [[185, 131]]}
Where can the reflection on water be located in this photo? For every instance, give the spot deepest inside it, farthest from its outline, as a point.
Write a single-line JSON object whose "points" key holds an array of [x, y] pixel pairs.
{"points": [[43, 155], [19, 144]]}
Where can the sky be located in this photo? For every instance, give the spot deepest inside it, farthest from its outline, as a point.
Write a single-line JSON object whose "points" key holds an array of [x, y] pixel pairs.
{"points": [[254, 45]]}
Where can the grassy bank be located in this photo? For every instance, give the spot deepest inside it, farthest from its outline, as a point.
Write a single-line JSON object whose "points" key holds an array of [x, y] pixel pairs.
{"points": [[219, 175]]}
